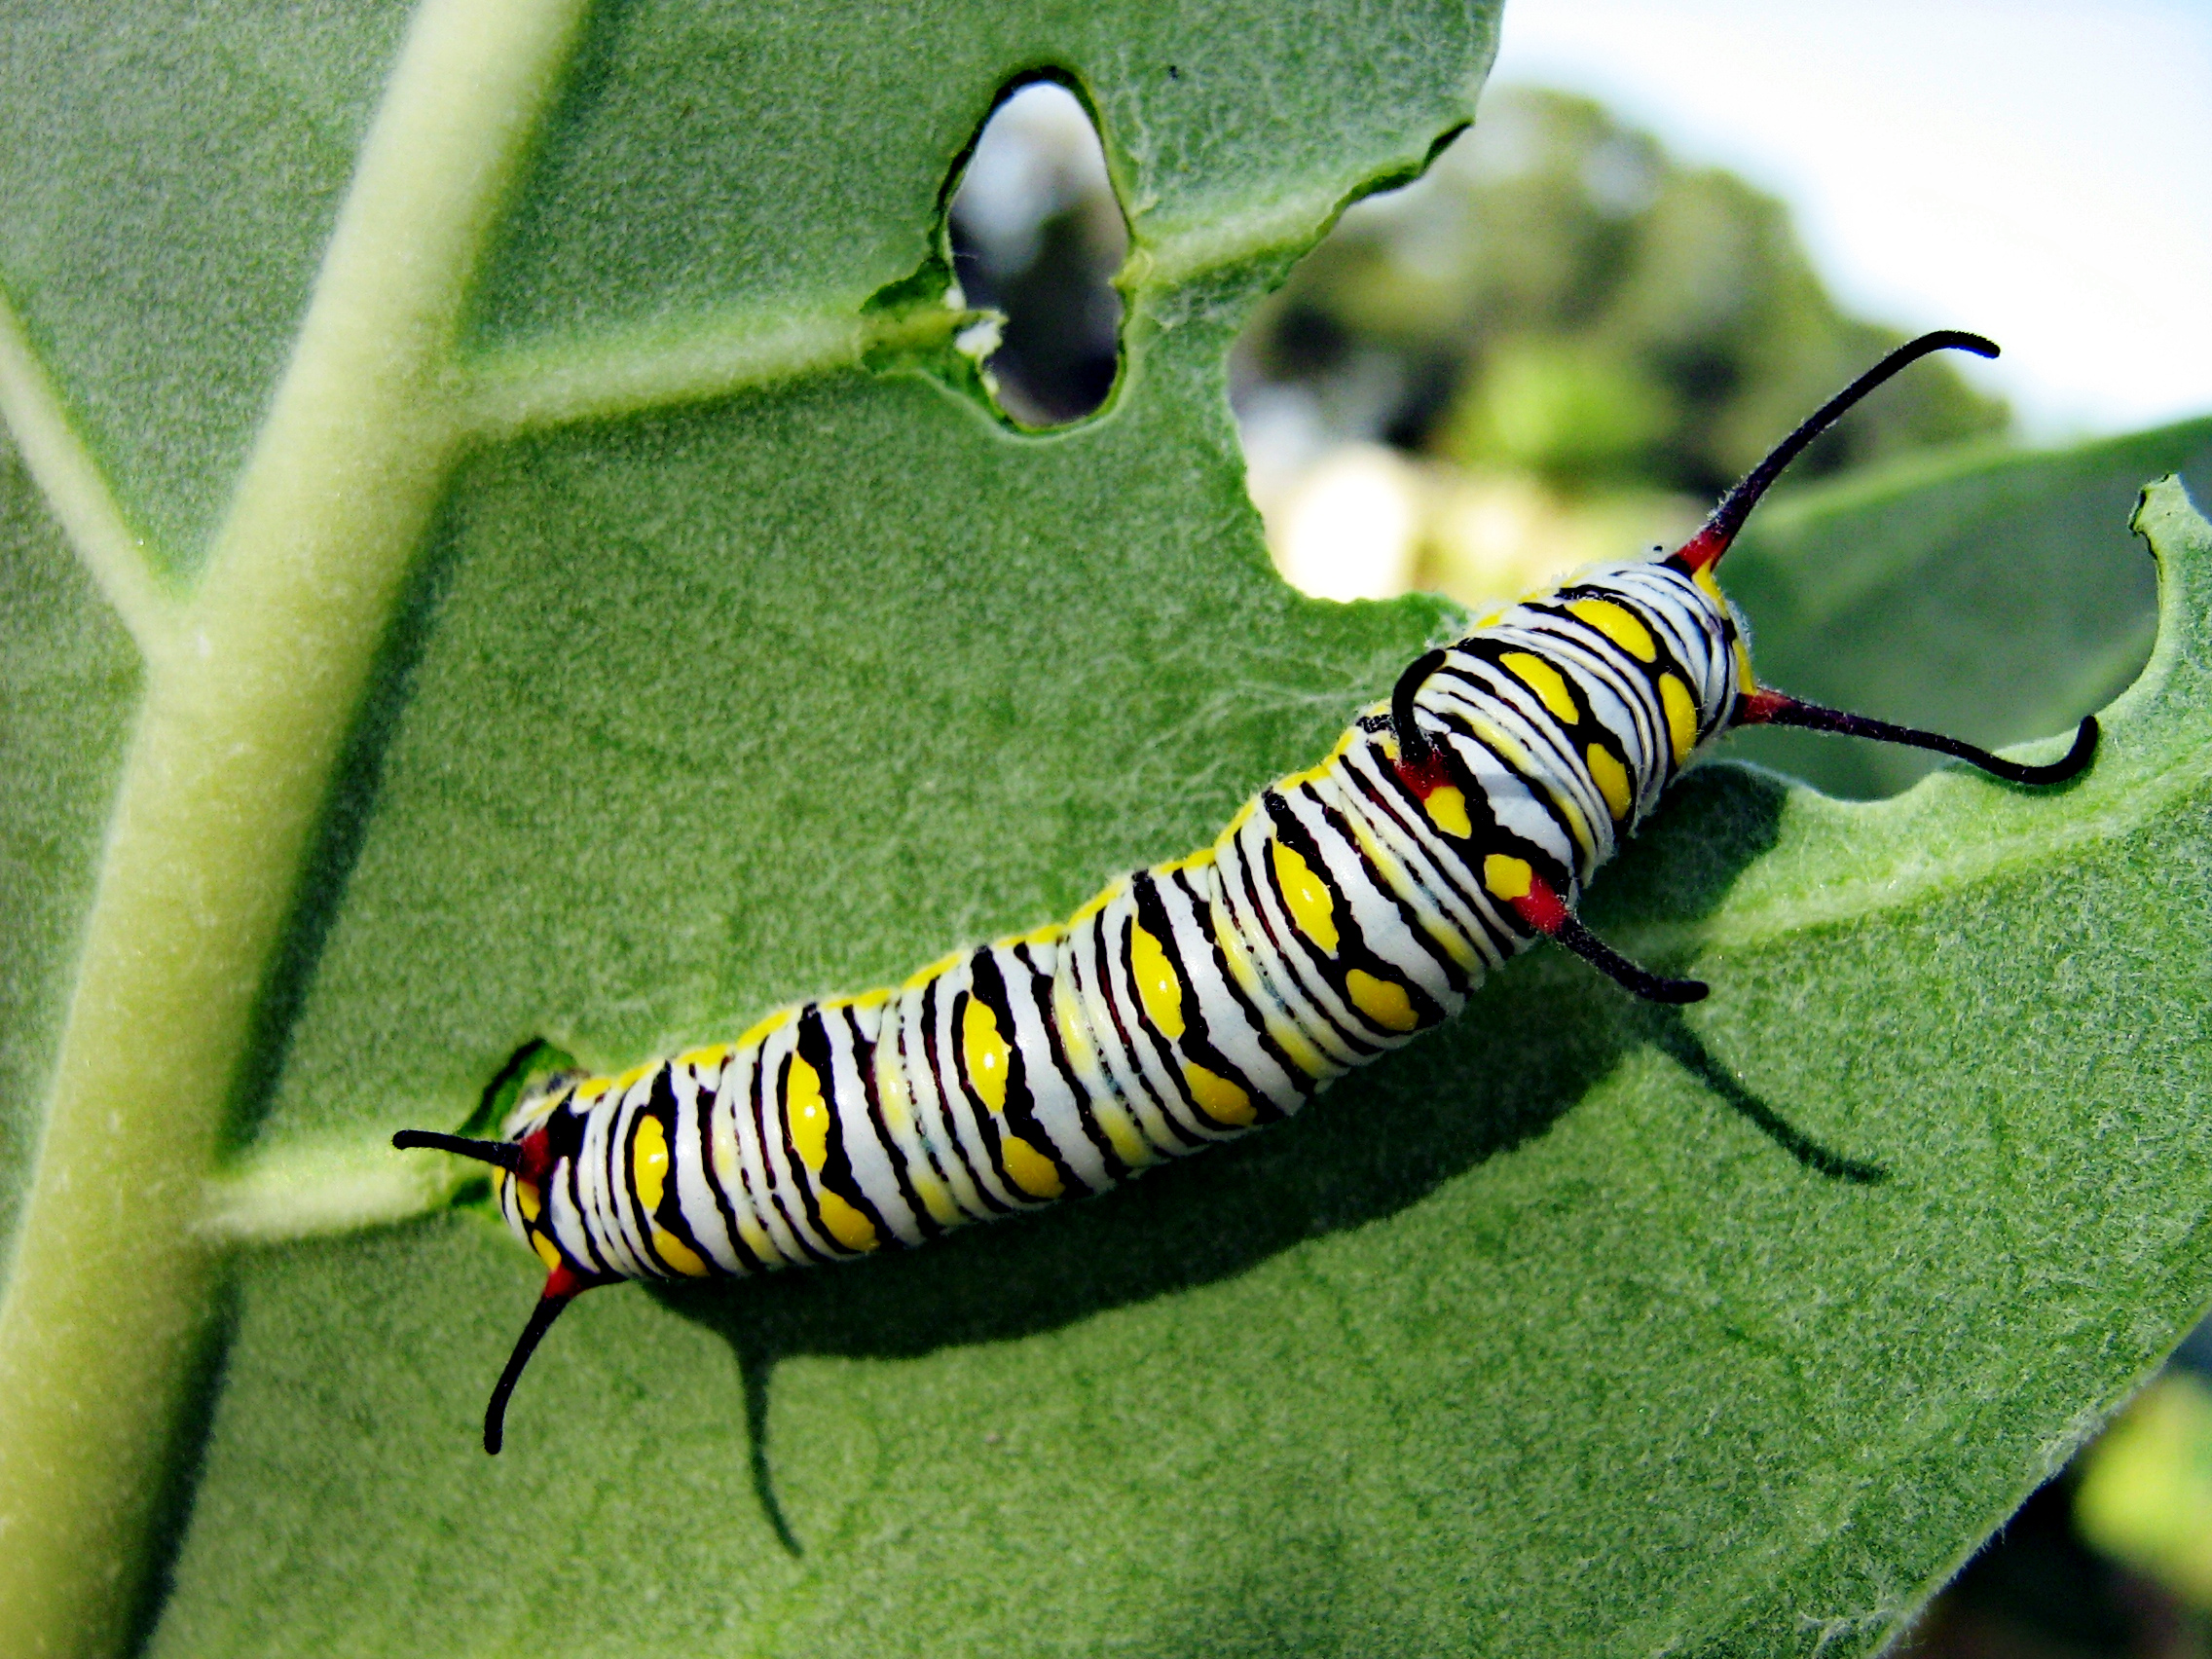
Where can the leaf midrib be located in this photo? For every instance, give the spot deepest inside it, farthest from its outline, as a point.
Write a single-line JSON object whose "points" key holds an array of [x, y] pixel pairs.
{"points": [[251, 684]]}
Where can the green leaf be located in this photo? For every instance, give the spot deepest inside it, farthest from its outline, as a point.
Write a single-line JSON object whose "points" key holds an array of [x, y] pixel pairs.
{"points": [[592, 644]]}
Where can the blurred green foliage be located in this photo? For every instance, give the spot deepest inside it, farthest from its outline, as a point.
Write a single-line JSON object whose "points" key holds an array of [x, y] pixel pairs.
{"points": [[1560, 296]]}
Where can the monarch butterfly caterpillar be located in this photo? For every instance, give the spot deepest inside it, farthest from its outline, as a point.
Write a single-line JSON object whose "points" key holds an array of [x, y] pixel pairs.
{"points": [[1344, 910]]}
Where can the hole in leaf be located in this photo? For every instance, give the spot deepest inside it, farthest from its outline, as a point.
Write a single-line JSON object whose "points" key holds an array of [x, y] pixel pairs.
{"points": [[1037, 234]]}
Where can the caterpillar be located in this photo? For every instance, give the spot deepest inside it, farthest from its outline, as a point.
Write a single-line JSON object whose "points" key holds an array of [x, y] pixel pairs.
{"points": [[1343, 911]]}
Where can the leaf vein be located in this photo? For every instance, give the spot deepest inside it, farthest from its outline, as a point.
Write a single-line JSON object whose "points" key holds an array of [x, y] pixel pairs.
{"points": [[78, 491]]}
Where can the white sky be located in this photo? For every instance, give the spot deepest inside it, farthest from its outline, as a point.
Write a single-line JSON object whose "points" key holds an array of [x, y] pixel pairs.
{"points": [[2039, 170]]}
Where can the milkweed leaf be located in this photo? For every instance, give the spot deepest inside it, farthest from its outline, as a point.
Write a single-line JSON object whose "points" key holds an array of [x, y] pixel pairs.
{"points": [[520, 555]]}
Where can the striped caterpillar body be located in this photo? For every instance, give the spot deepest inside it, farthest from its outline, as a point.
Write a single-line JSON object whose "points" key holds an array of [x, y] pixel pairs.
{"points": [[1344, 910]]}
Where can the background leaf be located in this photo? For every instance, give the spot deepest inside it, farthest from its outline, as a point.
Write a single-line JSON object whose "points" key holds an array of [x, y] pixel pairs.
{"points": [[721, 667]]}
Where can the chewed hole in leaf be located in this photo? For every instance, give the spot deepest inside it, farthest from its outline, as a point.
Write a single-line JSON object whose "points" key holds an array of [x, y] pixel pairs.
{"points": [[1038, 235]]}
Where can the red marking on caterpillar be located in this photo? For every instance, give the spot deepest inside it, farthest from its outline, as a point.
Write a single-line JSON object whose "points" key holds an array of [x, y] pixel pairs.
{"points": [[1540, 907], [563, 1281], [1702, 549], [1757, 707], [537, 1158], [1425, 776]]}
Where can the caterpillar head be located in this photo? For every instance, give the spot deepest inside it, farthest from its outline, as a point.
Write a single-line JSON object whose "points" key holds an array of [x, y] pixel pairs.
{"points": [[545, 1131], [1758, 705], [540, 1134]]}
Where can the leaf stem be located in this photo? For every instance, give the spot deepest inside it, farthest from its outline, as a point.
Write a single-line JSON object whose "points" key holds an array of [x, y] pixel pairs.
{"points": [[511, 394], [312, 1191], [225, 775]]}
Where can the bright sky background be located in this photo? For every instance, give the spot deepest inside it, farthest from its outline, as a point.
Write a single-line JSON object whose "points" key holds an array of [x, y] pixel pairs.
{"points": [[2038, 170]]}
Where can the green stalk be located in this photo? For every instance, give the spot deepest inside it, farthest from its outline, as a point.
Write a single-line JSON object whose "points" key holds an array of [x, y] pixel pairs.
{"points": [[226, 776]]}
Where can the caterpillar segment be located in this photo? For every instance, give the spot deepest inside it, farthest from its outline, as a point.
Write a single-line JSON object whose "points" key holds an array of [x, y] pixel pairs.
{"points": [[1343, 911]]}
